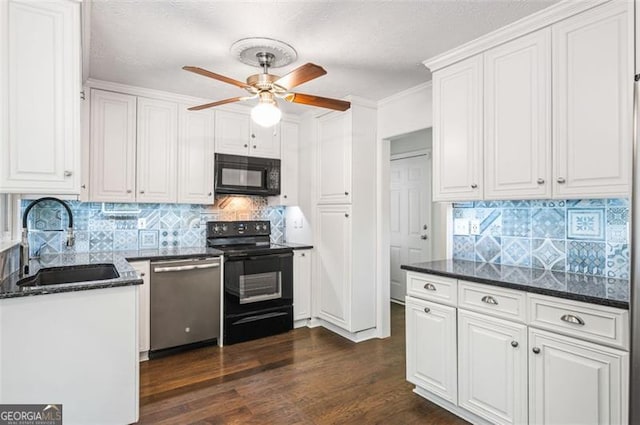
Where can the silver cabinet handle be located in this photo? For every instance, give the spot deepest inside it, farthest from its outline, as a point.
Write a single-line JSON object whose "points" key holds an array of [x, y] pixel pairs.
{"points": [[423, 237], [210, 194], [346, 194], [474, 186], [346, 215], [84, 186], [253, 136], [143, 274], [427, 309], [561, 180], [246, 146], [128, 190], [68, 173], [489, 300], [540, 181], [429, 287], [570, 318], [535, 350], [142, 191], [302, 254], [285, 196], [514, 344], [185, 268]]}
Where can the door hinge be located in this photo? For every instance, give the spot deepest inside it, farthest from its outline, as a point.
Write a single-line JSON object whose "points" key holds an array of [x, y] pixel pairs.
{"points": [[82, 95]]}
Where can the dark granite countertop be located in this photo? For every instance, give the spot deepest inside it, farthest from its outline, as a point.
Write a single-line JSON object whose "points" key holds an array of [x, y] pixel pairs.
{"points": [[297, 246], [127, 275], [591, 289], [170, 253]]}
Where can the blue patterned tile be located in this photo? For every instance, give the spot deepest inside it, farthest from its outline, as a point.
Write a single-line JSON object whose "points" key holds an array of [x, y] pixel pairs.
{"points": [[486, 204], [548, 254], [620, 202], [152, 216], [463, 205], [547, 203], [464, 248], [618, 234], [191, 238], [583, 223], [170, 219], [490, 221], [101, 241], [618, 261], [190, 219], [585, 203], [617, 216], [169, 238], [45, 242], [464, 213], [515, 204], [516, 222], [548, 223], [101, 225], [488, 249], [516, 252], [147, 239], [126, 223], [586, 257], [125, 239]]}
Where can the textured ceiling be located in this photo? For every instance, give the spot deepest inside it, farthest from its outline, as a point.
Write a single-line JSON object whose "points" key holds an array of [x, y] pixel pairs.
{"points": [[371, 49]]}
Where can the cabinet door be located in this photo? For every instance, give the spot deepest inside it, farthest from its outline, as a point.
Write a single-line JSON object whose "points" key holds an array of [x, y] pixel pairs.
{"points": [[333, 264], [40, 140], [195, 156], [517, 118], [301, 285], [593, 102], [142, 268], [232, 133], [289, 132], [157, 151], [576, 382], [112, 148], [334, 159], [431, 347], [265, 141], [457, 131], [492, 368]]}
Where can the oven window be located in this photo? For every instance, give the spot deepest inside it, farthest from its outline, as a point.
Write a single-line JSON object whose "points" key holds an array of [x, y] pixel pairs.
{"points": [[241, 178], [260, 287]]}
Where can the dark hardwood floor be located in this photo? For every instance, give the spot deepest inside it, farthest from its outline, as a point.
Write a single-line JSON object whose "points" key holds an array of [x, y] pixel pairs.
{"points": [[306, 376]]}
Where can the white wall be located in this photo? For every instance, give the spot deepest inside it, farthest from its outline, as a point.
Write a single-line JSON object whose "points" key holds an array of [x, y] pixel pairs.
{"points": [[405, 112], [416, 141]]}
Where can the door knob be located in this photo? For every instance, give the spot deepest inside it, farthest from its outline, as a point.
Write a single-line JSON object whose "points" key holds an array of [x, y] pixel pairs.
{"points": [[423, 237], [561, 180], [540, 181], [535, 350], [514, 344]]}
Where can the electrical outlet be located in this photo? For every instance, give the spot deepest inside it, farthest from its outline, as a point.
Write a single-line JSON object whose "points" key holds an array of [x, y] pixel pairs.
{"points": [[142, 223], [474, 227], [461, 226]]}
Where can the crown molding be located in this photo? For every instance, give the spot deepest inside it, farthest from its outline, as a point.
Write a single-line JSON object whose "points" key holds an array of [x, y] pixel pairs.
{"points": [[528, 24], [404, 93]]}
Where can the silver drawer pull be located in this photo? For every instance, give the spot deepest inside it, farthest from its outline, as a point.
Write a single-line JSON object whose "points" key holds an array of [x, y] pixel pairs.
{"points": [[429, 287], [427, 309], [489, 300], [570, 318]]}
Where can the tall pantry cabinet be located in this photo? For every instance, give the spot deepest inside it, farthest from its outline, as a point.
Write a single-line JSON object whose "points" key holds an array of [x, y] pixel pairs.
{"points": [[345, 218]]}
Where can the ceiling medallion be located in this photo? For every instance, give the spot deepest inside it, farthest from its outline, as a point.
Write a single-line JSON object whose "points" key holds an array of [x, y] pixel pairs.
{"points": [[246, 49]]}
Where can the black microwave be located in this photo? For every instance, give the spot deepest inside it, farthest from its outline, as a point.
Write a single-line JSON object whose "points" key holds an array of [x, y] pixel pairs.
{"points": [[246, 175]]}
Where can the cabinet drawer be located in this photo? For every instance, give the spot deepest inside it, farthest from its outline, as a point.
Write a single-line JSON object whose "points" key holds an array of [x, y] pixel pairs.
{"points": [[604, 325], [432, 287], [492, 300]]}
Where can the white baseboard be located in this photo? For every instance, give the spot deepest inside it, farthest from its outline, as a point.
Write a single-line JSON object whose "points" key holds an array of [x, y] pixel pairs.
{"points": [[301, 323], [144, 356]]}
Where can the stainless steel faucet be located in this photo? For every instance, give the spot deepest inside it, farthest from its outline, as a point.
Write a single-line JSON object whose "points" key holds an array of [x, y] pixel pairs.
{"points": [[24, 244]]}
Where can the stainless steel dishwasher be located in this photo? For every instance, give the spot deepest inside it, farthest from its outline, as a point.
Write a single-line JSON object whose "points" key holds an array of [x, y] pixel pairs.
{"points": [[185, 302]]}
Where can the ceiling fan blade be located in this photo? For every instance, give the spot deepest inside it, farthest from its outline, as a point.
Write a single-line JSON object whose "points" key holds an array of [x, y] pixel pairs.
{"points": [[211, 105], [323, 102], [215, 76], [300, 75]]}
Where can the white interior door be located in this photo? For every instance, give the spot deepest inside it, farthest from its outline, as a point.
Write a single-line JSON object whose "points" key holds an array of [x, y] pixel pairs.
{"points": [[410, 200]]}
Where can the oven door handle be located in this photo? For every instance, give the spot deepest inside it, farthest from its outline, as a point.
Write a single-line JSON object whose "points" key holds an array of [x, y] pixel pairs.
{"points": [[267, 256], [185, 268]]}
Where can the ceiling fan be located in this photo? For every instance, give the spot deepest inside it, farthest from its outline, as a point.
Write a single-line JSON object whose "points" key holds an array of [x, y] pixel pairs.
{"points": [[268, 87]]}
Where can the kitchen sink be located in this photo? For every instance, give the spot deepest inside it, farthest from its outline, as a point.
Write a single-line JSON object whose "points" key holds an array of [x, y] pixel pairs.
{"points": [[70, 274]]}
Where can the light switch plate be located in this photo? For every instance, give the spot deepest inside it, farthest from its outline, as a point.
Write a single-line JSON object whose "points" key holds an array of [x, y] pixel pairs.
{"points": [[474, 227], [461, 226]]}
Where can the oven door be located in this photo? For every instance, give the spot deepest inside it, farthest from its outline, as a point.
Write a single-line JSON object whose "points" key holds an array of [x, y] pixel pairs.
{"points": [[253, 283], [246, 175]]}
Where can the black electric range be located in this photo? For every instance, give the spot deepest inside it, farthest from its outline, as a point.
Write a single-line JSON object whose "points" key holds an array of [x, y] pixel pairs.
{"points": [[258, 280]]}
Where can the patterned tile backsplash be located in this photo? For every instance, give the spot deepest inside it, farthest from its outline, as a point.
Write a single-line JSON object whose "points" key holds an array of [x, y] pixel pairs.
{"points": [[579, 236], [109, 226]]}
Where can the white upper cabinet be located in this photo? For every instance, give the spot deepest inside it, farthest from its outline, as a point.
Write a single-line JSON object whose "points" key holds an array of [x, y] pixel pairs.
{"points": [[334, 158], [265, 142], [576, 382], [289, 133], [457, 131], [40, 87], [195, 156], [112, 147], [517, 118], [157, 151], [236, 134], [593, 102]]}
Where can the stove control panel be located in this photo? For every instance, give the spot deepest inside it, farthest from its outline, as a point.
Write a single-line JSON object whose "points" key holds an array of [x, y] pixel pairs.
{"points": [[217, 229]]}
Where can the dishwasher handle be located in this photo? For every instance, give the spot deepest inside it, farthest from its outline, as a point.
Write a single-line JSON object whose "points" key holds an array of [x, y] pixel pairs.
{"points": [[186, 268]]}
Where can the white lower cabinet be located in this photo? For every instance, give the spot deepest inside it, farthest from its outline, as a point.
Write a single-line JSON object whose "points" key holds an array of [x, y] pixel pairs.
{"points": [[302, 284], [576, 382], [143, 270], [492, 368], [431, 350]]}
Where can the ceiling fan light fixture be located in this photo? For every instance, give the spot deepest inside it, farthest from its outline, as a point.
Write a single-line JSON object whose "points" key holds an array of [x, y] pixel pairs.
{"points": [[266, 113]]}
